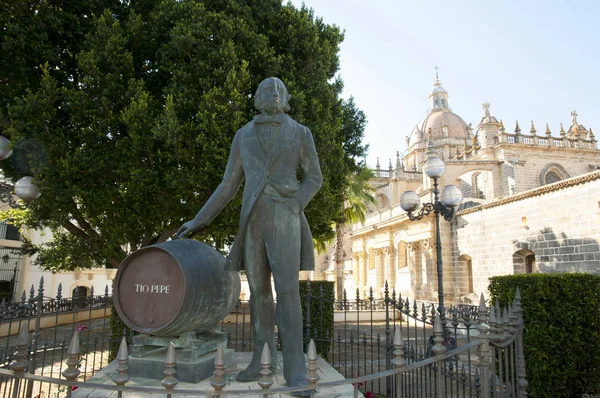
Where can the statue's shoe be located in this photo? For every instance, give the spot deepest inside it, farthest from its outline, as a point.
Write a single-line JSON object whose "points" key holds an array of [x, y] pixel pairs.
{"points": [[298, 380], [252, 373], [248, 375]]}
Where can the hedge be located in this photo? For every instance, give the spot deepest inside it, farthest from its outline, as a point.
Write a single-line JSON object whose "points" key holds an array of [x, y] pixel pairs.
{"points": [[321, 314], [561, 339]]}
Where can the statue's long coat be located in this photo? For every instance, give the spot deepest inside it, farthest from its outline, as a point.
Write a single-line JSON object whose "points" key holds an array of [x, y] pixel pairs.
{"points": [[293, 147]]}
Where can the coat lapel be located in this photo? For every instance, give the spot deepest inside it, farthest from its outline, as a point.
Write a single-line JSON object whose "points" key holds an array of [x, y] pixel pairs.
{"points": [[283, 139], [252, 144]]}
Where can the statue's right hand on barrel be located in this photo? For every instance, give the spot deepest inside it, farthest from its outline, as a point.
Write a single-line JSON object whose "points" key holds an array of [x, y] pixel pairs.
{"points": [[189, 228]]}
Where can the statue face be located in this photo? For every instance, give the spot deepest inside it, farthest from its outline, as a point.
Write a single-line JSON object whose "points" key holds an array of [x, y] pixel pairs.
{"points": [[272, 96]]}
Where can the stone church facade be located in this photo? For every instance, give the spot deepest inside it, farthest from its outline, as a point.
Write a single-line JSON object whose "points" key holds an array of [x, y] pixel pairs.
{"points": [[531, 204]]}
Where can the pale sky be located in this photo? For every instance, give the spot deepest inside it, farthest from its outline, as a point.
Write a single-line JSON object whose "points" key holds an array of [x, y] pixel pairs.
{"points": [[531, 60]]}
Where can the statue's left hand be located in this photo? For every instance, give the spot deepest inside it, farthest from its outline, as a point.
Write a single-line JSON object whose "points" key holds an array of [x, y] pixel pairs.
{"points": [[188, 228]]}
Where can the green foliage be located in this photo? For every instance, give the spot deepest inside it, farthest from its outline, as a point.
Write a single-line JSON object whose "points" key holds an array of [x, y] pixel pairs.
{"points": [[561, 315], [124, 113], [321, 314], [118, 330]]}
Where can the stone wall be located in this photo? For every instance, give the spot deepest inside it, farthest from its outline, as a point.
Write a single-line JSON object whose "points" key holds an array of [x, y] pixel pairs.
{"points": [[559, 224]]}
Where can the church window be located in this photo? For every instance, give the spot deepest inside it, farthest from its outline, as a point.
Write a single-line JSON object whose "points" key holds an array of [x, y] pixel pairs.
{"points": [[443, 103], [436, 103], [551, 177], [553, 172]]}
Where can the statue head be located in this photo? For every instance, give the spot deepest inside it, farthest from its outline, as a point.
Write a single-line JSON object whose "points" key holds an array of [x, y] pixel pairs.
{"points": [[272, 96]]}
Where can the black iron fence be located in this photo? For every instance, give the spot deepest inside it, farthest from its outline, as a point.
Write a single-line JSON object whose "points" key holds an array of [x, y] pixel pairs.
{"points": [[391, 346]]}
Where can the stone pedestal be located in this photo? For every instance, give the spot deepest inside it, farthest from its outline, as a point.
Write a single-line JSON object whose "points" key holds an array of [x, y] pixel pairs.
{"points": [[195, 355], [325, 372]]}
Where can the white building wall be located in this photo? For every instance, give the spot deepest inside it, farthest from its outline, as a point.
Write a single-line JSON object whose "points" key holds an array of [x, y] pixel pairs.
{"points": [[561, 227]]}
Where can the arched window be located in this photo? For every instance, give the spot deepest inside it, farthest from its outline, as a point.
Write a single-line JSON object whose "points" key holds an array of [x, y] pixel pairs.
{"points": [[553, 172], [524, 262], [443, 103], [436, 103], [551, 177]]}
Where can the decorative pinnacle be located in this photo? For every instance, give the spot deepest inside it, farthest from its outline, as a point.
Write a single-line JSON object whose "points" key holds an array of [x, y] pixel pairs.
{"points": [[265, 380], [562, 130], [169, 382], [311, 375], [532, 130], [501, 126], [217, 381], [517, 128], [437, 79], [74, 345], [590, 134], [120, 377], [548, 132], [377, 165], [482, 307]]}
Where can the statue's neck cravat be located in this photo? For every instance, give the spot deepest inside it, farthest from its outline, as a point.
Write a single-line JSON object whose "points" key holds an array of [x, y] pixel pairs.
{"points": [[267, 127]]}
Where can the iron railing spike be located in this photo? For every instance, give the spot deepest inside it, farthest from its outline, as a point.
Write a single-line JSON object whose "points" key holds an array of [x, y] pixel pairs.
{"points": [[218, 382], [72, 371], [169, 382], [123, 353], [311, 369], [220, 357], [265, 381], [74, 348], [120, 377], [23, 337]]}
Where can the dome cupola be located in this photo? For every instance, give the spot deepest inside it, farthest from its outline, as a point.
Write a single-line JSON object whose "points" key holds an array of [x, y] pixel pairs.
{"points": [[438, 99]]}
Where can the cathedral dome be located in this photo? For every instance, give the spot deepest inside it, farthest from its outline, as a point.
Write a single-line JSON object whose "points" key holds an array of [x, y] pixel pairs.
{"points": [[436, 121], [442, 122]]}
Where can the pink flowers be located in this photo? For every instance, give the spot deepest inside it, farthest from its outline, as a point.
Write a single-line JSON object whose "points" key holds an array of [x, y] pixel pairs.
{"points": [[81, 328]]}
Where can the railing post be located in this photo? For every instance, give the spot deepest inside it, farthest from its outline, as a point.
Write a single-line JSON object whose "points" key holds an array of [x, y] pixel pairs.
{"points": [[120, 377], [169, 382], [388, 342], [265, 381], [307, 325], [521, 374], [218, 383], [438, 350], [39, 303], [483, 350], [19, 363], [72, 371], [311, 369], [398, 362]]}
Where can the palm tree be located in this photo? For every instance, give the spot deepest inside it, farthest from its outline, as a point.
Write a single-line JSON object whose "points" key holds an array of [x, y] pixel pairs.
{"points": [[358, 198]]}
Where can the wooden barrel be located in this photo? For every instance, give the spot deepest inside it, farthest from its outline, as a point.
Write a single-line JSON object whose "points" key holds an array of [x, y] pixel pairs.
{"points": [[175, 287]]}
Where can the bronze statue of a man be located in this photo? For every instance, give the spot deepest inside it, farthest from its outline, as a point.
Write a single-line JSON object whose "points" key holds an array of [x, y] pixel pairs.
{"points": [[273, 237]]}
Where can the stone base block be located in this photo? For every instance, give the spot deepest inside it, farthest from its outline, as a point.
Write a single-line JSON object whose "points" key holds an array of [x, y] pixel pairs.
{"points": [[153, 366]]}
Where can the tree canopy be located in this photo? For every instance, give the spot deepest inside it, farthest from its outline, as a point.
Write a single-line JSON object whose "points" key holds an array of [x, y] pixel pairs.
{"points": [[124, 112]]}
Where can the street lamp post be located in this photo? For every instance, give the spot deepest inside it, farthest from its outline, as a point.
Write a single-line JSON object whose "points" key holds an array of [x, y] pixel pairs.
{"points": [[443, 204], [24, 188]]}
